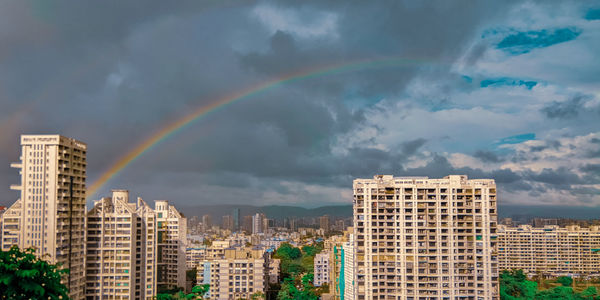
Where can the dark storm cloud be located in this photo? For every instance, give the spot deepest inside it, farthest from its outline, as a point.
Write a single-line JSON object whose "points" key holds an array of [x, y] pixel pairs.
{"points": [[409, 148], [487, 156], [113, 74], [567, 109]]}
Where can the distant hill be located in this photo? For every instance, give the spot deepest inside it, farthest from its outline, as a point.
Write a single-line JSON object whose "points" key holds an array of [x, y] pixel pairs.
{"points": [[282, 211]]}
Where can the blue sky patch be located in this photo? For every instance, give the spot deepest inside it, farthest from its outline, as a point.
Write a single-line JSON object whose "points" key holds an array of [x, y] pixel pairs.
{"points": [[494, 82], [516, 139], [593, 14], [523, 42]]}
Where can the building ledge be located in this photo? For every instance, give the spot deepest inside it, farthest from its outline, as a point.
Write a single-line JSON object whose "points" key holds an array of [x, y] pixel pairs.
{"points": [[16, 187], [17, 165]]}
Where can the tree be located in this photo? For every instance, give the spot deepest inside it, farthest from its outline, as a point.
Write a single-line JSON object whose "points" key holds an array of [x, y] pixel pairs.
{"points": [[565, 280], [559, 292], [288, 252], [514, 285], [25, 276], [257, 296], [589, 293], [200, 290], [197, 293]]}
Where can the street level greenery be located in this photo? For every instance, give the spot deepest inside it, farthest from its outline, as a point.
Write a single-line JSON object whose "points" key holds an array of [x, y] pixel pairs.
{"points": [[197, 293], [297, 272], [23, 275], [514, 285]]}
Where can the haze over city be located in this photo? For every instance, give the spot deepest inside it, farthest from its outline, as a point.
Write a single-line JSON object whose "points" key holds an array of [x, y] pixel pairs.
{"points": [[259, 102]]}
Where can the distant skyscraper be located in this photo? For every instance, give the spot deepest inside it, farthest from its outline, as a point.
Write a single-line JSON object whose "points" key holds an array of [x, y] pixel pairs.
{"points": [[207, 222], [247, 224], [50, 213], [236, 219], [121, 249], [257, 223], [227, 222], [171, 241], [324, 223], [420, 238]]}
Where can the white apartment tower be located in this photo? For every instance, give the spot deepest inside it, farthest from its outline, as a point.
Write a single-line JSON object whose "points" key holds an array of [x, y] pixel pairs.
{"points": [[50, 213], [321, 268], [171, 245], [121, 249], [421, 238]]}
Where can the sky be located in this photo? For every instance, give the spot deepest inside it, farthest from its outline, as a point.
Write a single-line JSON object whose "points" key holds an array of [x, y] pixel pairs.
{"points": [[491, 89]]}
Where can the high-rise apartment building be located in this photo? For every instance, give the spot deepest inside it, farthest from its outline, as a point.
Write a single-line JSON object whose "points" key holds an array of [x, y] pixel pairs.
{"points": [[421, 238], [551, 250], [207, 222], [227, 222], [171, 246], [257, 223], [236, 219], [50, 213], [121, 249], [324, 223], [247, 224]]}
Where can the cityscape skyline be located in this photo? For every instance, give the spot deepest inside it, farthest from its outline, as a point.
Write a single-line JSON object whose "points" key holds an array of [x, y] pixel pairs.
{"points": [[268, 103], [409, 237]]}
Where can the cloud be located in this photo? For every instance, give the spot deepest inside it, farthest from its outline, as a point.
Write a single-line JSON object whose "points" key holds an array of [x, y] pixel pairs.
{"points": [[113, 77], [523, 42], [487, 156], [567, 109]]}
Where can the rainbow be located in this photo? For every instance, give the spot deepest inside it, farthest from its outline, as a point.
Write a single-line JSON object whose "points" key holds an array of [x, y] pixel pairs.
{"points": [[176, 126]]}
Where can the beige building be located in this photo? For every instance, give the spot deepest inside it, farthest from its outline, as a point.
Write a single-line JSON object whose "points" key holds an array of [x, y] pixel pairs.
{"points": [[551, 250], [171, 244], [50, 213], [239, 274], [421, 238], [121, 249]]}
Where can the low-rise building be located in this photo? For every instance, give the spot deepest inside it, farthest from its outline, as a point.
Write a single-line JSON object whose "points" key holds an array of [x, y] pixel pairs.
{"points": [[239, 274], [551, 250], [321, 268]]}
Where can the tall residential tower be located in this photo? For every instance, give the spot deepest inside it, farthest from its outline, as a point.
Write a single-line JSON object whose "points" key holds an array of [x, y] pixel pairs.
{"points": [[50, 213], [121, 249], [421, 238]]}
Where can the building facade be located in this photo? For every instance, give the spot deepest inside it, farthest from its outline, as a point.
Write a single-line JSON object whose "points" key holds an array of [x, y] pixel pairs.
{"points": [[421, 238], [171, 246], [50, 213], [257, 223], [550, 251], [321, 268], [239, 274], [121, 249]]}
